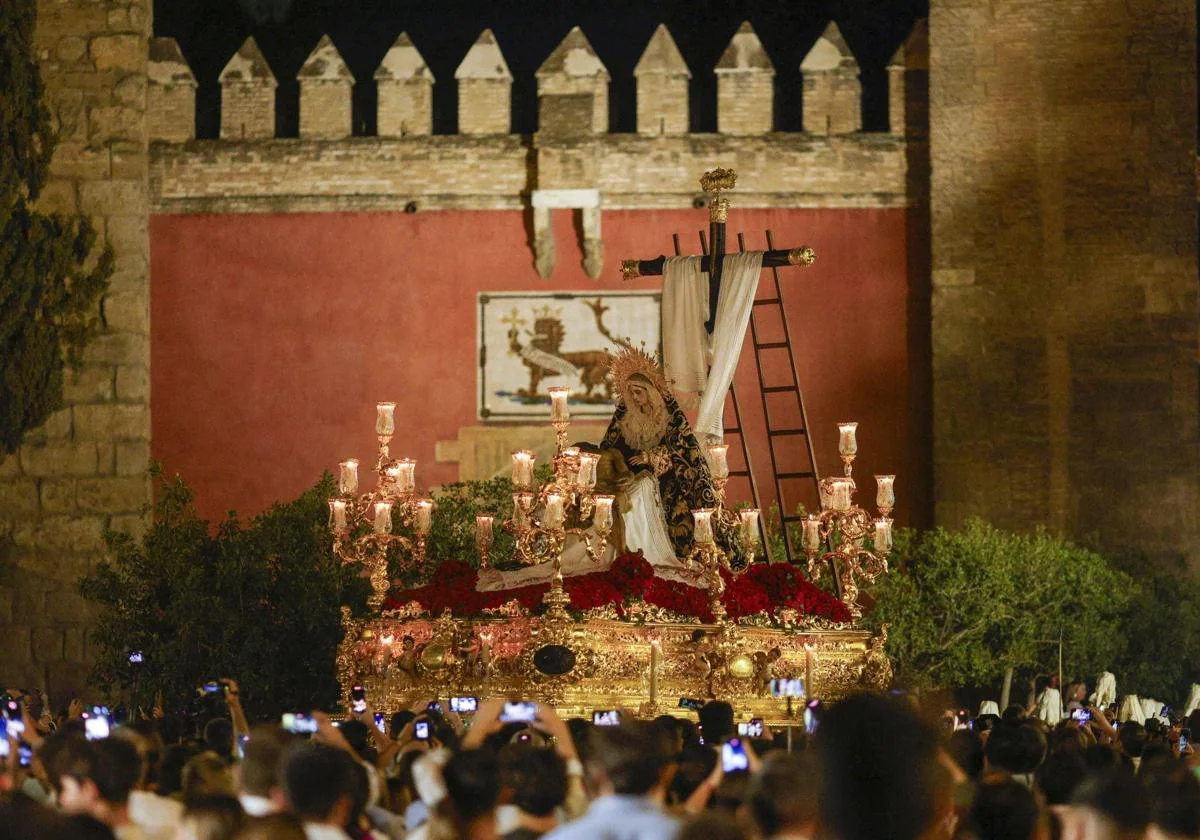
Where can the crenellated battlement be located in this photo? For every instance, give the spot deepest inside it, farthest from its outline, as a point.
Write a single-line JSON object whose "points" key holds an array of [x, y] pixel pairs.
{"points": [[572, 162]]}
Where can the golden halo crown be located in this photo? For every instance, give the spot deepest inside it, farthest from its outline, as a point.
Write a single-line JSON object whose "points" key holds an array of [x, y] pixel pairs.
{"points": [[632, 360]]}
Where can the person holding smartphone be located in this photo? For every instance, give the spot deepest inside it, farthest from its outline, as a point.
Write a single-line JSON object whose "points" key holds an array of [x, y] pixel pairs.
{"points": [[736, 755]]}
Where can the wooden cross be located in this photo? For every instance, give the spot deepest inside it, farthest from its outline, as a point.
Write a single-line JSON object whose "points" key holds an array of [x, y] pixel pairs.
{"points": [[714, 183]]}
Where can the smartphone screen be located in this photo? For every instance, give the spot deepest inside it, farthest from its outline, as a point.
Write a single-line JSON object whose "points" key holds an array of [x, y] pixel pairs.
{"points": [[135, 657], [733, 756], [381, 722], [755, 728], [518, 712], [1183, 744], [787, 688], [96, 728], [606, 717], [298, 723], [241, 746], [690, 703], [464, 705], [25, 754], [421, 730], [358, 706], [211, 687]]}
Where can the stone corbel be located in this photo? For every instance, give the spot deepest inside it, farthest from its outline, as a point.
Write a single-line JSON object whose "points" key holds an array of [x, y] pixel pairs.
{"points": [[588, 203]]}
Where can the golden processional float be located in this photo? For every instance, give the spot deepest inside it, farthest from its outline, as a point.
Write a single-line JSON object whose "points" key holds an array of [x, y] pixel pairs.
{"points": [[757, 634]]}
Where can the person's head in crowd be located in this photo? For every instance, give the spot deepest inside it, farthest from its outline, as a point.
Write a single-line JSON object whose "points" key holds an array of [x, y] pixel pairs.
{"points": [[1108, 805], [319, 784], [716, 722], [1077, 692], [261, 788], [711, 825], [96, 778], [1015, 749], [966, 748], [1004, 809], [730, 794], [536, 779], [211, 818], [398, 721], [781, 798], [204, 776], [694, 765], [1060, 774], [472, 780], [881, 772], [1103, 757], [1174, 793], [1013, 714], [358, 736], [671, 725], [272, 827], [633, 759], [144, 735], [170, 772], [986, 723], [1064, 738], [1156, 756], [581, 737], [218, 737], [1133, 739]]}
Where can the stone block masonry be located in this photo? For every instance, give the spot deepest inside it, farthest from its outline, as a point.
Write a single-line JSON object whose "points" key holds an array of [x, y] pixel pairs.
{"points": [[62, 489], [1065, 326]]}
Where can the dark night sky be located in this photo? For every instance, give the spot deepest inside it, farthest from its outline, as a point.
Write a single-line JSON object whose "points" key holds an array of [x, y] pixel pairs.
{"points": [[209, 31]]}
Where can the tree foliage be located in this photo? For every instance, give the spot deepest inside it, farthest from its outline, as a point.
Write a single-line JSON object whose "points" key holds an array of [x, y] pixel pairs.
{"points": [[968, 605], [51, 282], [259, 602]]}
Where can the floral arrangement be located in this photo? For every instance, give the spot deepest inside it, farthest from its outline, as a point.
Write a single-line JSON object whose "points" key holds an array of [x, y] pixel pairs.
{"points": [[764, 589]]}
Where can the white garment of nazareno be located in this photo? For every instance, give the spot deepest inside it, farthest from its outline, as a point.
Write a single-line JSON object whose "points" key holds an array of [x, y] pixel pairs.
{"points": [[1131, 709], [684, 311], [1049, 706], [739, 283], [1106, 690], [1193, 700]]}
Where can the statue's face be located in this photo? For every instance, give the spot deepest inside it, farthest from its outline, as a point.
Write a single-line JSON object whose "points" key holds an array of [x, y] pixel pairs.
{"points": [[639, 395]]}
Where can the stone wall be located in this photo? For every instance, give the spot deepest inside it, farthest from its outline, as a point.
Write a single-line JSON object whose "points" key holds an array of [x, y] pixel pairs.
{"points": [[1064, 268], [84, 470]]}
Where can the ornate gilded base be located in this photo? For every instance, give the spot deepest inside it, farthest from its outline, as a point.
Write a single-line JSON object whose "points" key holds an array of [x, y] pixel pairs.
{"points": [[605, 664]]}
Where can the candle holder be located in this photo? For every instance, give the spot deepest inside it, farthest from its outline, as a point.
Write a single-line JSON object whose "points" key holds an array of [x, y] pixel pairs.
{"points": [[837, 536], [709, 558], [746, 521], [363, 523], [544, 516]]}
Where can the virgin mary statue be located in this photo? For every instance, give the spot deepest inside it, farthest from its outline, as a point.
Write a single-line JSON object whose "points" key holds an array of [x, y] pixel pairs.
{"points": [[651, 462]]}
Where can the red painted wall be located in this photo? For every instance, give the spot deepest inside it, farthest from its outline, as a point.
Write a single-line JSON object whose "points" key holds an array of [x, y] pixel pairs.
{"points": [[274, 335]]}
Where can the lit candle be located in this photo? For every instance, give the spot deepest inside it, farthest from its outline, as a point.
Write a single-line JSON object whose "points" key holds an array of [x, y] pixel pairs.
{"points": [[602, 515], [406, 470], [522, 502], [654, 654], [885, 493], [553, 517], [337, 516], [383, 517], [586, 479], [702, 531], [348, 482], [385, 419], [522, 468], [483, 531], [883, 534], [559, 411], [424, 516], [847, 442], [570, 465], [750, 526], [718, 459], [841, 494], [810, 534]]}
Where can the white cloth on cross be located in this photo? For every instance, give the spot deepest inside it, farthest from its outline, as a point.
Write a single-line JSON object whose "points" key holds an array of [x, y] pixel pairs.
{"points": [[684, 311], [739, 283]]}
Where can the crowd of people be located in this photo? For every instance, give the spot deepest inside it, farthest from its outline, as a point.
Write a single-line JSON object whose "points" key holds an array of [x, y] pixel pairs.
{"points": [[868, 767]]}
